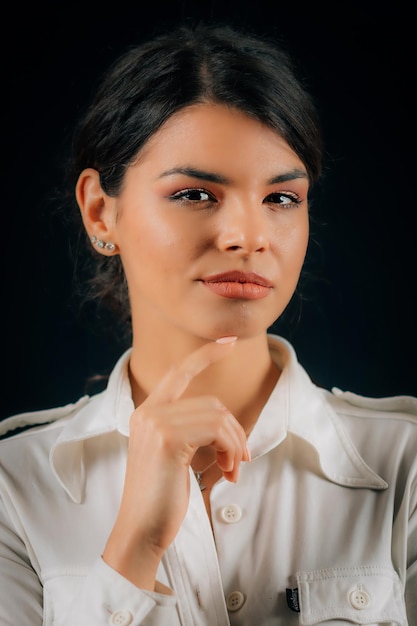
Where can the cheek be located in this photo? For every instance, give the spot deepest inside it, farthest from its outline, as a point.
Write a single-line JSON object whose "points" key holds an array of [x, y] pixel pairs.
{"points": [[301, 243], [142, 234], [293, 243], [154, 253]]}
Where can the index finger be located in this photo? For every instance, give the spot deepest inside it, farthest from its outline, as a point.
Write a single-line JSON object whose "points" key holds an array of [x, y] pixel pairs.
{"points": [[177, 379]]}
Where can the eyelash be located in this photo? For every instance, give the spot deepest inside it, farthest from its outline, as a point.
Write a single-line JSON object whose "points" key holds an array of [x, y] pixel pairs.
{"points": [[181, 197]]}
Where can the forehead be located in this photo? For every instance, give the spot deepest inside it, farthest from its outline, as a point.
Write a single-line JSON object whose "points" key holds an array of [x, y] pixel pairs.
{"points": [[204, 133]]}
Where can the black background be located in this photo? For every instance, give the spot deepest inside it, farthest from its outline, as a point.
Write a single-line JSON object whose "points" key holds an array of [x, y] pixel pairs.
{"points": [[357, 328]]}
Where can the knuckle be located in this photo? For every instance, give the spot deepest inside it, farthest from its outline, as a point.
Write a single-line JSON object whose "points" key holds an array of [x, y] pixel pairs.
{"points": [[212, 402], [143, 416]]}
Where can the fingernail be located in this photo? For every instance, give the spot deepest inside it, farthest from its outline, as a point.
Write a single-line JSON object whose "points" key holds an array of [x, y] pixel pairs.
{"points": [[249, 454], [226, 339]]}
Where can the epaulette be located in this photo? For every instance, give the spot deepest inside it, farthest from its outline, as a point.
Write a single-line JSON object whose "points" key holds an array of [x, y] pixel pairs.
{"points": [[25, 421], [400, 404]]}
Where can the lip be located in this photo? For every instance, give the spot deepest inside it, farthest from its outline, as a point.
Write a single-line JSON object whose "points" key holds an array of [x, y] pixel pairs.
{"points": [[236, 276], [238, 285]]}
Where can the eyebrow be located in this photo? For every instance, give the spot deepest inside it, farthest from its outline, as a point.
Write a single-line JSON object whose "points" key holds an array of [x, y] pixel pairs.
{"points": [[218, 178], [291, 175]]}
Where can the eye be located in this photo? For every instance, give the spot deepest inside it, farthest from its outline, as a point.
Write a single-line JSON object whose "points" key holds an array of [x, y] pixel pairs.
{"points": [[193, 196], [287, 200]]}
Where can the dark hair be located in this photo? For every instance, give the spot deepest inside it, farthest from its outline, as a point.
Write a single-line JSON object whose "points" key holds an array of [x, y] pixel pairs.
{"points": [[153, 80]]}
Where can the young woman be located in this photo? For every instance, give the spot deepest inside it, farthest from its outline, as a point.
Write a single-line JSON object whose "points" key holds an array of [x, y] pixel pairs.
{"points": [[211, 483]]}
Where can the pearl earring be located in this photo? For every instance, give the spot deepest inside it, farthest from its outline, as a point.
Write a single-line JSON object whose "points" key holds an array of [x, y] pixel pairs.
{"points": [[103, 244]]}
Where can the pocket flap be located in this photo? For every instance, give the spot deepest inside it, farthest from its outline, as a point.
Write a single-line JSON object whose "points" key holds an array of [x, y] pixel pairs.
{"points": [[362, 595]]}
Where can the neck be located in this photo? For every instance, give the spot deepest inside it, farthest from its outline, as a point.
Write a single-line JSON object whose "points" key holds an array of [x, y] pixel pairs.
{"points": [[242, 381]]}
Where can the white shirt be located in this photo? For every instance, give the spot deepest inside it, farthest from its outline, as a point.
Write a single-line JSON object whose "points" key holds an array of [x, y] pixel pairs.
{"points": [[321, 527]]}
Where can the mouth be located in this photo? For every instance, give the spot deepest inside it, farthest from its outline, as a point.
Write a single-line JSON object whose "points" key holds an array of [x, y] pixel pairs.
{"points": [[238, 285]]}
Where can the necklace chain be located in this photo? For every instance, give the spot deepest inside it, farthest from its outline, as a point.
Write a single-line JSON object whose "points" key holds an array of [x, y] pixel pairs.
{"points": [[199, 475]]}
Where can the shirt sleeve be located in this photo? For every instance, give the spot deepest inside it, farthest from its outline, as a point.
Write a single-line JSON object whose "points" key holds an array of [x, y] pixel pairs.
{"points": [[411, 574], [106, 597], [101, 597], [20, 588]]}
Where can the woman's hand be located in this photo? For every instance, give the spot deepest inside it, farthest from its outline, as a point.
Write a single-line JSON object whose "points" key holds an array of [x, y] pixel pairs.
{"points": [[165, 432]]}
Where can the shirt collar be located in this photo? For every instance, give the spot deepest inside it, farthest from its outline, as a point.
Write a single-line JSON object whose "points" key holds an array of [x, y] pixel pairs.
{"points": [[298, 406], [295, 406], [105, 412]]}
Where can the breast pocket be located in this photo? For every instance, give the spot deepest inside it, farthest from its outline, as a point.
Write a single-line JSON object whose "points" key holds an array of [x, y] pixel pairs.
{"points": [[355, 595], [60, 589]]}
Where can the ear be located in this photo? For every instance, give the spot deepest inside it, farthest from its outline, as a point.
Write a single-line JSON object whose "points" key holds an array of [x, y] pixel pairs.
{"points": [[98, 211]]}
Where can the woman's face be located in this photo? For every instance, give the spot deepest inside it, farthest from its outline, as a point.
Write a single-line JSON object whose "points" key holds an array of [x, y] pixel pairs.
{"points": [[212, 225]]}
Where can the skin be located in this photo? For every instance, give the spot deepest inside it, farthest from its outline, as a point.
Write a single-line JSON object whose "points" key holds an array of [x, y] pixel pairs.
{"points": [[212, 191]]}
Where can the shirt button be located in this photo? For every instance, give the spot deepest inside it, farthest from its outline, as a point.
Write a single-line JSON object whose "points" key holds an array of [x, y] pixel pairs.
{"points": [[120, 618], [235, 600], [231, 513], [360, 599]]}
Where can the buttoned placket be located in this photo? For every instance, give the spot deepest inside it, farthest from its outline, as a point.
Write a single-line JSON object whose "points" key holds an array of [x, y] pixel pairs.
{"points": [[193, 561]]}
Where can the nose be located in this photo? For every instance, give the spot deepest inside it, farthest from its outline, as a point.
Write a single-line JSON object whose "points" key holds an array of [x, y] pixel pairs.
{"points": [[243, 227]]}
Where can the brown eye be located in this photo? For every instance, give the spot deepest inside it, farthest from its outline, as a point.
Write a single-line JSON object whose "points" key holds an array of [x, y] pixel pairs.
{"points": [[282, 199], [193, 195]]}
